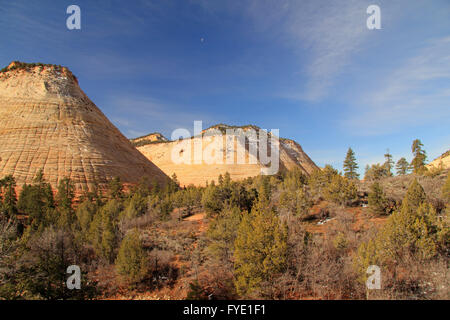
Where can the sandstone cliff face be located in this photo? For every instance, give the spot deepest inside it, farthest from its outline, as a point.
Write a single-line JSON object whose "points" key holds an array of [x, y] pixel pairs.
{"points": [[48, 123], [442, 161], [291, 155]]}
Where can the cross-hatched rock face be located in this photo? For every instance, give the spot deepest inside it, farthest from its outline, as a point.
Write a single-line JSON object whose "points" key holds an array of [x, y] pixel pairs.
{"points": [[48, 123], [291, 155]]}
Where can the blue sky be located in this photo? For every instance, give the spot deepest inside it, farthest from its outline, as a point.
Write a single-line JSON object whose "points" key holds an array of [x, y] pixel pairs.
{"points": [[309, 68]]}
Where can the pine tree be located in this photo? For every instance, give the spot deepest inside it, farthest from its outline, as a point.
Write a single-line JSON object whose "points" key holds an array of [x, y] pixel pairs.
{"points": [[389, 163], [64, 199], [9, 196], [220, 180], [109, 240], [132, 262], [37, 200], [85, 214], [377, 199], [260, 251], [176, 183], [103, 230], [418, 162], [350, 165], [402, 166], [115, 188]]}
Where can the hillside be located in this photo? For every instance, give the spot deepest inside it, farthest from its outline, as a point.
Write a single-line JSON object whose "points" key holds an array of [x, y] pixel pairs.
{"points": [[160, 153], [441, 161], [47, 122]]}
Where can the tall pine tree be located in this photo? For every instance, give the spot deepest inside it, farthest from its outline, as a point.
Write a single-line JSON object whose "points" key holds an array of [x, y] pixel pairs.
{"points": [[389, 163], [420, 156], [350, 165]]}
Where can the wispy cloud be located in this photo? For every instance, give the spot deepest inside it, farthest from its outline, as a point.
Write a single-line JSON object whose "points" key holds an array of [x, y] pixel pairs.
{"points": [[414, 94], [138, 115], [325, 35], [330, 34]]}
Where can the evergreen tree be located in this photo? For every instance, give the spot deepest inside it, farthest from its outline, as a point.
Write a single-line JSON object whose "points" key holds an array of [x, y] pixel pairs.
{"points": [[415, 195], [37, 201], [341, 190], [376, 172], [227, 180], [222, 233], [64, 198], [103, 230], [115, 188], [402, 166], [211, 199], [265, 189], [109, 240], [9, 196], [320, 179], [85, 214], [377, 199], [418, 162], [350, 165], [260, 252], [137, 206], [175, 184], [389, 163], [132, 260], [409, 231]]}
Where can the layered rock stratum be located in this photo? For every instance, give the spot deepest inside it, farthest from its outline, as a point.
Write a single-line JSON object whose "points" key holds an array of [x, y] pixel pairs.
{"points": [[291, 155], [47, 122], [443, 161]]}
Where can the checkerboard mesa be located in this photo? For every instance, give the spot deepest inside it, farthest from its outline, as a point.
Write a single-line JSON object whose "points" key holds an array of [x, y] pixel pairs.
{"points": [[47, 122]]}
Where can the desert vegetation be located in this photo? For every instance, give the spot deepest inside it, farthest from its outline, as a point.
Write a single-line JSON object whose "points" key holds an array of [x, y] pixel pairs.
{"points": [[287, 236]]}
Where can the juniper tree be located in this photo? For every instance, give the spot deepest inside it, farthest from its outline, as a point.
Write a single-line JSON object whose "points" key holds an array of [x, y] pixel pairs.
{"points": [[350, 165], [415, 195], [260, 251], [412, 231], [341, 190], [131, 262], [377, 199]]}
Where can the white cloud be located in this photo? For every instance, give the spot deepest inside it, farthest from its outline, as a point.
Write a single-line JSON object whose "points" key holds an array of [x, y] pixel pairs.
{"points": [[138, 115], [332, 33], [416, 93], [324, 34]]}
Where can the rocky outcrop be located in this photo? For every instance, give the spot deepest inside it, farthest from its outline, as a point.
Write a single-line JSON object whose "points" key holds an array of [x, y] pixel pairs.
{"points": [[155, 137], [442, 162], [47, 122], [291, 155]]}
